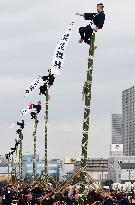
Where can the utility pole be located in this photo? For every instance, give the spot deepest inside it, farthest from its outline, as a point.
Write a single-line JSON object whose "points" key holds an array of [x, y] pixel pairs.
{"points": [[87, 98], [44, 91], [34, 147], [20, 133], [46, 133], [21, 157]]}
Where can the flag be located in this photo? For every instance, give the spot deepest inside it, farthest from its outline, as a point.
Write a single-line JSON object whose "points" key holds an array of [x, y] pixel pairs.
{"points": [[59, 54], [26, 110], [35, 84]]}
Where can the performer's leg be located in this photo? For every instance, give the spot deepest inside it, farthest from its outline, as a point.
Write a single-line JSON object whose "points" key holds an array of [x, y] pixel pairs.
{"points": [[81, 31], [88, 33]]}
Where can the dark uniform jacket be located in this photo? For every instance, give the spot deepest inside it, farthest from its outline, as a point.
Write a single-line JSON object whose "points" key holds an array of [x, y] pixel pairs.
{"points": [[96, 18], [7, 197], [49, 78]]}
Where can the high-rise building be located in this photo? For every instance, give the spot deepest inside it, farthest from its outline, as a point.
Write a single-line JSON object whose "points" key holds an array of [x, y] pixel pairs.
{"points": [[117, 137], [128, 112]]}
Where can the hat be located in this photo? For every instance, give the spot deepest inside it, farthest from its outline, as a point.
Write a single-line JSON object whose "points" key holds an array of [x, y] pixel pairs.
{"points": [[100, 4]]}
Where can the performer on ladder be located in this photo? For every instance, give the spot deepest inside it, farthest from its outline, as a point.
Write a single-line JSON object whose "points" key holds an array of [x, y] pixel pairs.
{"points": [[97, 22], [49, 80]]}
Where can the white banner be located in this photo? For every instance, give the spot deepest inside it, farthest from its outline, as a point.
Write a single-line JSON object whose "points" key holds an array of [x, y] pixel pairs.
{"points": [[26, 110], [59, 55], [35, 84]]}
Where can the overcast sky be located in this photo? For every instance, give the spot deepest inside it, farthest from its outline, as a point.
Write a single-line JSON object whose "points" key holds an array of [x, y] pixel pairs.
{"points": [[29, 32]]}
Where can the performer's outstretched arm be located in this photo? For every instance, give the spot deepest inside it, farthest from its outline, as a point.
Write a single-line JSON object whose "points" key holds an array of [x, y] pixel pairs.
{"points": [[79, 14]]}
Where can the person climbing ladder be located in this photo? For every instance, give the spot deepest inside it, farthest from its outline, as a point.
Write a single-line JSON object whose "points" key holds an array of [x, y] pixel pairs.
{"points": [[97, 22]]}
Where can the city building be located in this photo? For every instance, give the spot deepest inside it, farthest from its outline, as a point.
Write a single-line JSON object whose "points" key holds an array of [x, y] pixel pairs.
{"points": [[97, 168], [53, 166], [117, 137], [127, 172], [128, 113], [5, 171], [117, 166], [68, 166], [28, 165], [4, 168]]}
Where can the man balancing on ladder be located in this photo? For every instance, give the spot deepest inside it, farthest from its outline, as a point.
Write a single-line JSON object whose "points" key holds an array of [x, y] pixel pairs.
{"points": [[97, 22]]}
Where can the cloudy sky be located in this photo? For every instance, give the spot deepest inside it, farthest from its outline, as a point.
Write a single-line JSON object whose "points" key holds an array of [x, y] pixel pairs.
{"points": [[29, 32]]}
